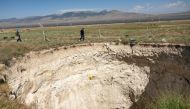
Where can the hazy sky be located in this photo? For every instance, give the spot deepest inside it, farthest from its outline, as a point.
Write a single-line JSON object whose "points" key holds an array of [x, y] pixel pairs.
{"points": [[24, 8]]}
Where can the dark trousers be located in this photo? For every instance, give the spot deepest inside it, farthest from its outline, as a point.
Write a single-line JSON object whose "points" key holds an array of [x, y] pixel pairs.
{"points": [[19, 39], [82, 37]]}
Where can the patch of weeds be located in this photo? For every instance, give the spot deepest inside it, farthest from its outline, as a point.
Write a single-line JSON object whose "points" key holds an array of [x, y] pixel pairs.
{"points": [[171, 100]]}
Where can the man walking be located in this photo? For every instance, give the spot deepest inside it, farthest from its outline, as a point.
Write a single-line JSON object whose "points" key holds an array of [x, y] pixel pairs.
{"points": [[18, 35], [82, 34]]}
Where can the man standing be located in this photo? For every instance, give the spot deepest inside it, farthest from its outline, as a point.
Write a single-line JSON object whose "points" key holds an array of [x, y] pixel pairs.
{"points": [[18, 35], [82, 34]]}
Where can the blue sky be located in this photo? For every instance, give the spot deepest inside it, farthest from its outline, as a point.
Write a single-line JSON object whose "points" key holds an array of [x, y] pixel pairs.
{"points": [[25, 8]]}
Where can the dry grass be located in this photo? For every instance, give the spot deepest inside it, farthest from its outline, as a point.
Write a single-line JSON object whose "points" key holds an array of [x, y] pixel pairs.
{"points": [[4, 88], [7, 104], [157, 32]]}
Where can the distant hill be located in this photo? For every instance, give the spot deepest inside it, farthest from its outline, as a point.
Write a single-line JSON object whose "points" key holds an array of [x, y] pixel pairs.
{"points": [[89, 17], [174, 16]]}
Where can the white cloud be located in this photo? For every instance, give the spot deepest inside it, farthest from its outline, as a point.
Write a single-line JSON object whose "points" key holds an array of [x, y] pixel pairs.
{"points": [[142, 8], [74, 10], [176, 4], [138, 8]]}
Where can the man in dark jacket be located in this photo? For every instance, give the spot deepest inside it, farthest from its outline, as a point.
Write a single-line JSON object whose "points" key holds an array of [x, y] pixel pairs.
{"points": [[82, 34], [18, 35]]}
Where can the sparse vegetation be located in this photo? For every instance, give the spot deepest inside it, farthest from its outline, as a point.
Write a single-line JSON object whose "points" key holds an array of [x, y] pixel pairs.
{"points": [[171, 101], [7, 104], [157, 32]]}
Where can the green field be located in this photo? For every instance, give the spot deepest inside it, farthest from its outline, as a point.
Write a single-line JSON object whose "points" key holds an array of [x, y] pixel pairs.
{"points": [[143, 32]]}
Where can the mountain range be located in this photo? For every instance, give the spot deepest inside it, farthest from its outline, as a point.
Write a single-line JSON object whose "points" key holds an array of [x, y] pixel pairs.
{"points": [[89, 17]]}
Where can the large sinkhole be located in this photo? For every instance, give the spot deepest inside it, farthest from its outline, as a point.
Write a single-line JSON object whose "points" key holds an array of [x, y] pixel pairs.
{"points": [[100, 76]]}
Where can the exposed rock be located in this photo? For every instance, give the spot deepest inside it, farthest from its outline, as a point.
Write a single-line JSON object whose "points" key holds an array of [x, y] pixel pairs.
{"points": [[2, 67], [100, 76], [2, 78], [12, 97]]}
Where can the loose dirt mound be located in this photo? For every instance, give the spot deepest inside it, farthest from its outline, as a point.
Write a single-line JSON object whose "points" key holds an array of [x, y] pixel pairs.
{"points": [[98, 76]]}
